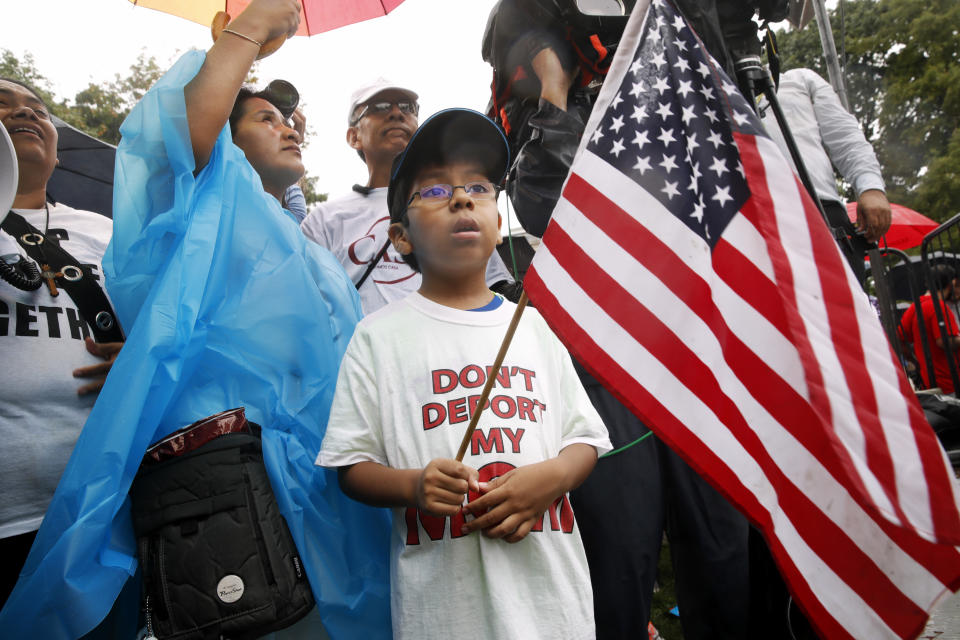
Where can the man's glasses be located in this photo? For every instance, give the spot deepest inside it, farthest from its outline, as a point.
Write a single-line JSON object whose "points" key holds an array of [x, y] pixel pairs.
{"points": [[437, 193], [377, 108]]}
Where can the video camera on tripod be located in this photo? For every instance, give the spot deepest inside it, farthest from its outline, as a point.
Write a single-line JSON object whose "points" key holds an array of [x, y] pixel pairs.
{"points": [[585, 34]]}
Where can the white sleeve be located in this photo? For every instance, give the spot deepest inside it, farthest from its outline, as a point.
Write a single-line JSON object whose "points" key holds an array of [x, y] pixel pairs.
{"points": [[843, 140], [496, 270], [314, 226], [354, 431]]}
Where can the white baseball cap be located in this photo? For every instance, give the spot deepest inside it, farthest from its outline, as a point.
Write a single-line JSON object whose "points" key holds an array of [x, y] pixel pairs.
{"points": [[368, 91]]}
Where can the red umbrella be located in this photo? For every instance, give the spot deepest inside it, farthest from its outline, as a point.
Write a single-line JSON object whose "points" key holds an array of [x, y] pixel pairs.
{"points": [[907, 227], [316, 16]]}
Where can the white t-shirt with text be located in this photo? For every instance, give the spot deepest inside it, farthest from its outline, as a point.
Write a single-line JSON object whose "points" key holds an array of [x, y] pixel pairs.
{"points": [[41, 339], [354, 229], [406, 387]]}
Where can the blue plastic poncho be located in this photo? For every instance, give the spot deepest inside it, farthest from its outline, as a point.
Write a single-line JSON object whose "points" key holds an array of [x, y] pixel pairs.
{"points": [[226, 305]]}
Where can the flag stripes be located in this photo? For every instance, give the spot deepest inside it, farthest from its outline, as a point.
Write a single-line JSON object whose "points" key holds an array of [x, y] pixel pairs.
{"points": [[815, 514], [687, 270]]}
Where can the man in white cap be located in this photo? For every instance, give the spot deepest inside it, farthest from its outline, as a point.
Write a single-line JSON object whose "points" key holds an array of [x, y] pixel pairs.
{"points": [[381, 119]]}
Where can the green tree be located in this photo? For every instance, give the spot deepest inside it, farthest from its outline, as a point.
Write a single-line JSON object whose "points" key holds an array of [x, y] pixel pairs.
{"points": [[26, 71], [903, 81], [309, 185], [101, 108]]}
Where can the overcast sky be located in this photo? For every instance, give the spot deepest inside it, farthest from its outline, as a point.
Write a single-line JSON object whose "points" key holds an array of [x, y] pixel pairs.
{"points": [[431, 46]]}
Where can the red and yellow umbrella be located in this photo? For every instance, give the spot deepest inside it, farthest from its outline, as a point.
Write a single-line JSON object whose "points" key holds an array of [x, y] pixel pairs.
{"points": [[316, 16]]}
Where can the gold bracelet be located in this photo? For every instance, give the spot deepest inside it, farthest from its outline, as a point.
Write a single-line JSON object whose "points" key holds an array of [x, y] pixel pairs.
{"points": [[245, 37]]}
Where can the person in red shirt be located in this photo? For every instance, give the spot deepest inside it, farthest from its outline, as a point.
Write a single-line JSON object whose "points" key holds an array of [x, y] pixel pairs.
{"points": [[945, 279]]}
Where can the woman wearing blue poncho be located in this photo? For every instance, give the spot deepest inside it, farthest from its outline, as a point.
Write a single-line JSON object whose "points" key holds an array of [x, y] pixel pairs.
{"points": [[228, 305]]}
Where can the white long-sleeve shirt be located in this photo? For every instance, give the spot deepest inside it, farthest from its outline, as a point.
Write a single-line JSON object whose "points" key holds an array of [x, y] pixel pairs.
{"points": [[827, 135]]}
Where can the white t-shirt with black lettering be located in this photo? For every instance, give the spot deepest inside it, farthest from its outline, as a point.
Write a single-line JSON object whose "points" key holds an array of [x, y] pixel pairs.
{"points": [[41, 341], [408, 380], [354, 229]]}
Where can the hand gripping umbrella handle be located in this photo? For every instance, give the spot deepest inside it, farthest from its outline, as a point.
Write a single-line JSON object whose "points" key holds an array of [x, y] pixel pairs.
{"points": [[222, 19]]}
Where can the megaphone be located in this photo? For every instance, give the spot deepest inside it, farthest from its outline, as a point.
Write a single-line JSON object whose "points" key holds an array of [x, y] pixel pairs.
{"points": [[9, 174], [14, 268]]}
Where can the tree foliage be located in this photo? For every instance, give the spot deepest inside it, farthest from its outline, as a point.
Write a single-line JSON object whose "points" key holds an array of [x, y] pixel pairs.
{"points": [[309, 185], [903, 82], [99, 108]]}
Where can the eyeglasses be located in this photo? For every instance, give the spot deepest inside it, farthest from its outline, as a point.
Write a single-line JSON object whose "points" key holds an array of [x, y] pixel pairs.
{"points": [[377, 108], [284, 96], [436, 193]]}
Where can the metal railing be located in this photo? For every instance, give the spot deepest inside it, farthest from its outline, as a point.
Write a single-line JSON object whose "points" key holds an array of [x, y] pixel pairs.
{"points": [[941, 246]]}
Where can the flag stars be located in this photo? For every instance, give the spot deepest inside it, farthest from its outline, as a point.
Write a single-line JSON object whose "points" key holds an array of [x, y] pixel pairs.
{"points": [[666, 136], [664, 110], [597, 135], [688, 115], [659, 60], [639, 113], [703, 70], [617, 99], [641, 138], [642, 165], [616, 124], [668, 163], [719, 166], [715, 138], [636, 67], [694, 186], [617, 147], [722, 195], [740, 170], [698, 208], [678, 23], [637, 89], [670, 189], [682, 65], [710, 113], [661, 85], [740, 118], [680, 44], [729, 88], [696, 170], [684, 88], [707, 92]]}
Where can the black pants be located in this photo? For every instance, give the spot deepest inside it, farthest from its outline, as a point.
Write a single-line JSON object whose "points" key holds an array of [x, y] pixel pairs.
{"points": [[622, 511], [773, 612], [13, 551], [121, 622], [854, 246]]}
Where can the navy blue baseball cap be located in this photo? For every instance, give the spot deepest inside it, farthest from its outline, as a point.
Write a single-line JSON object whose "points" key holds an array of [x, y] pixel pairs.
{"points": [[451, 134]]}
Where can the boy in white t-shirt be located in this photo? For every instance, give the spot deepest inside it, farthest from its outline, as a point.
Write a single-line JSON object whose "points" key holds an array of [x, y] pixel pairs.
{"points": [[510, 563]]}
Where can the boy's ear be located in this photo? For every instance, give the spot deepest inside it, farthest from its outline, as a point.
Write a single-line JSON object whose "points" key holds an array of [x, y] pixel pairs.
{"points": [[499, 228], [353, 139], [400, 239]]}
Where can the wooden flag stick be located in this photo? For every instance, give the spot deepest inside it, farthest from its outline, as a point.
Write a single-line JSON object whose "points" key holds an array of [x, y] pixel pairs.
{"points": [[521, 305]]}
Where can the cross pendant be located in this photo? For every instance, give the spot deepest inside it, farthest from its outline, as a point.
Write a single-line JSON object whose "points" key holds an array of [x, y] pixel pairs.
{"points": [[49, 276]]}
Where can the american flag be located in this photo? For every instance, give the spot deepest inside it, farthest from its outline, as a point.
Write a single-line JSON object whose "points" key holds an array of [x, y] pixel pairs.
{"points": [[688, 270]]}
